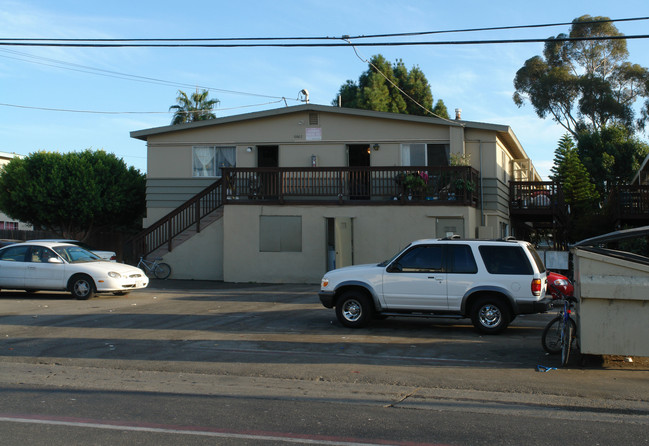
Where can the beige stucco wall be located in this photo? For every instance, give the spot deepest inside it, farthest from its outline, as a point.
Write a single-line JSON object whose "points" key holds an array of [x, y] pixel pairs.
{"points": [[378, 233], [169, 155], [482, 147], [200, 257]]}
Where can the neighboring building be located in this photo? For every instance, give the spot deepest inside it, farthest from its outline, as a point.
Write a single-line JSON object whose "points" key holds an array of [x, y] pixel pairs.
{"points": [[630, 203], [5, 221], [294, 191]]}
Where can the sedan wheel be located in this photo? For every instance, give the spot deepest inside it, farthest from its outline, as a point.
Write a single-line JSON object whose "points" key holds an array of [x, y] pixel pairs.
{"points": [[82, 287]]}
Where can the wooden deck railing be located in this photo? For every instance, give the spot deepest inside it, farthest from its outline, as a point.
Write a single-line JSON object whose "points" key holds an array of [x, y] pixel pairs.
{"points": [[631, 202], [418, 184], [535, 195], [443, 185], [164, 230]]}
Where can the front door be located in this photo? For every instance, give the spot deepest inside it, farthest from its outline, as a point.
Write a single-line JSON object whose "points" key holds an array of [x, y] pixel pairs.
{"points": [[343, 241], [268, 180], [417, 280], [42, 275], [359, 179]]}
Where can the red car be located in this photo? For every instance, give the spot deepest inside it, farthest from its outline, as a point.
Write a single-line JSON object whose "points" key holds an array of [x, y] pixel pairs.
{"points": [[561, 282]]}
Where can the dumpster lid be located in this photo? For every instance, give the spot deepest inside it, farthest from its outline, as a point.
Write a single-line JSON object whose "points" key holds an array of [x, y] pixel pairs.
{"points": [[613, 236], [594, 244]]}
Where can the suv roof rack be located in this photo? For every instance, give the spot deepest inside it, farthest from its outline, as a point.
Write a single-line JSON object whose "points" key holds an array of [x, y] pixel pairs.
{"points": [[452, 237]]}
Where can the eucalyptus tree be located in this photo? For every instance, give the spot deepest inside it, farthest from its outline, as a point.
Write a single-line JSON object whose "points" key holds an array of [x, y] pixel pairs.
{"points": [[611, 155], [583, 81]]}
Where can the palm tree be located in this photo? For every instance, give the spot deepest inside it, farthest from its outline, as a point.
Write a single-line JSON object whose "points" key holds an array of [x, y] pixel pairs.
{"points": [[194, 108]]}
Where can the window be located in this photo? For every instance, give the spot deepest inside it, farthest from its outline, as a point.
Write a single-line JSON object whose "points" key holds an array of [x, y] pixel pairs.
{"points": [[413, 154], [76, 254], [438, 154], [280, 233], [448, 226], [504, 230], [421, 154], [14, 254], [12, 225], [422, 259], [461, 260], [208, 161], [41, 254], [506, 260]]}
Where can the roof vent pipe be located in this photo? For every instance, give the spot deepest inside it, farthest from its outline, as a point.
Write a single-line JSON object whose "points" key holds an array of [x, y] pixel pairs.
{"points": [[458, 114]]}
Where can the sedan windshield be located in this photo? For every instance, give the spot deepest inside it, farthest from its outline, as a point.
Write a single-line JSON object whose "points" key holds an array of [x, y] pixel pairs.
{"points": [[76, 254]]}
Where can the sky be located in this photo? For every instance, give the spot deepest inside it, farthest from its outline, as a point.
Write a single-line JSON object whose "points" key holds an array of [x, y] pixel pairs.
{"points": [[71, 99]]}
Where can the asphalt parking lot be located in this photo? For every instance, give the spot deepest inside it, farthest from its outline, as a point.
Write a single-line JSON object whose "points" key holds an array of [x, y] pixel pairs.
{"points": [[225, 351], [282, 331]]}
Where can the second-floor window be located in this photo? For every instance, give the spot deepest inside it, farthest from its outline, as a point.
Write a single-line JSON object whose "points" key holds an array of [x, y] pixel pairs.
{"points": [[420, 154], [208, 160]]}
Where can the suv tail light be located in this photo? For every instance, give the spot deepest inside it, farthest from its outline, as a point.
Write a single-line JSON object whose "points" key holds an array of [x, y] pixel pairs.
{"points": [[536, 287]]}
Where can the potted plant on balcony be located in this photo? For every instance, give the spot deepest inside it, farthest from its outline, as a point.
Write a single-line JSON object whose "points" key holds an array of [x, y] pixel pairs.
{"points": [[463, 186], [415, 185]]}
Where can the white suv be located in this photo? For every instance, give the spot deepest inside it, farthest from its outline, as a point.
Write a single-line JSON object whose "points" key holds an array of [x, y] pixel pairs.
{"points": [[489, 281]]}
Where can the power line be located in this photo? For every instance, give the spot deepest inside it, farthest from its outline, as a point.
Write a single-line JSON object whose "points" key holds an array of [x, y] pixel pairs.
{"points": [[98, 112], [115, 74], [119, 42], [497, 28], [320, 45]]}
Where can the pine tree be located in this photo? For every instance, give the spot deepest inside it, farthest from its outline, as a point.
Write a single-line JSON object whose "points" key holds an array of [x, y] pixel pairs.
{"points": [[571, 174], [391, 88]]}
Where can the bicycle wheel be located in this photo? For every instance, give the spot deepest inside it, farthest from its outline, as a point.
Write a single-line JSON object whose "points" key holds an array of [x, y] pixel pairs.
{"points": [[566, 343], [551, 337], [162, 271]]}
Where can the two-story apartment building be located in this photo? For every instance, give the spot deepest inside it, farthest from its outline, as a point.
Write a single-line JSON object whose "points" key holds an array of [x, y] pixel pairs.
{"points": [[286, 194]]}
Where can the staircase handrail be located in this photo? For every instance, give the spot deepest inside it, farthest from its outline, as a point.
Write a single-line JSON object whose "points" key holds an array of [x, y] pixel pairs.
{"points": [[171, 225]]}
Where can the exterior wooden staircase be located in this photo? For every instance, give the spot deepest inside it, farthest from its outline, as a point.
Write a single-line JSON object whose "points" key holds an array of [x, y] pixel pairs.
{"points": [[179, 225]]}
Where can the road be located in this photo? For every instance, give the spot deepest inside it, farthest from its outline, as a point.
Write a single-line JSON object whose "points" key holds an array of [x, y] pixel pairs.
{"points": [[211, 363]]}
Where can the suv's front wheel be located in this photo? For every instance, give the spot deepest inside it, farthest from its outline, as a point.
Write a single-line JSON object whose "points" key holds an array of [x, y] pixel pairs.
{"points": [[354, 309], [490, 315]]}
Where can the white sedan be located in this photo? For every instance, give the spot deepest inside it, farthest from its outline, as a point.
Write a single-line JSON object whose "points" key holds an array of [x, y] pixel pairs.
{"points": [[33, 266]]}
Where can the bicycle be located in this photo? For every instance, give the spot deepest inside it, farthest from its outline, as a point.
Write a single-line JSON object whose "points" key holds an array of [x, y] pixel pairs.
{"points": [[559, 334], [158, 269]]}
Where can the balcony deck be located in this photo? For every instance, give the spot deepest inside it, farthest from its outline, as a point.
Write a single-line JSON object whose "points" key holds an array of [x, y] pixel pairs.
{"points": [[537, 200], [539, 206], [420, 185], [631, 204]]}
